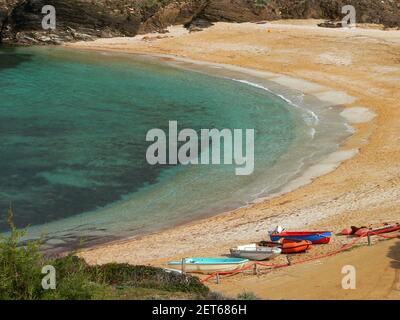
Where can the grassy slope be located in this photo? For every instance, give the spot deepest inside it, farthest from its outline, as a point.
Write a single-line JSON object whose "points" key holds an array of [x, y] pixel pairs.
{"points": [[21, 277]]}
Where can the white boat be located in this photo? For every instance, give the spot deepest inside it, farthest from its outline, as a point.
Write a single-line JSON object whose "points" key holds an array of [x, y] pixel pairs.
{"points": [[208, 265], [255, 252], [168, 270]]}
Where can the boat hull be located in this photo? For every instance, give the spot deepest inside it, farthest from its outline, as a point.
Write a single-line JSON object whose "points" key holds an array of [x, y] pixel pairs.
{"points": [[208, 266], [322, 237], [289, 246], [254, 252], [386, 229]]}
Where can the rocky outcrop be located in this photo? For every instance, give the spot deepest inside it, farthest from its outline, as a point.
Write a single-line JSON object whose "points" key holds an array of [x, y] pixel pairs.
{"points": [[240, 10], [20, 20], [6, 6], [177, 12], [76, 20], [386, 12]]}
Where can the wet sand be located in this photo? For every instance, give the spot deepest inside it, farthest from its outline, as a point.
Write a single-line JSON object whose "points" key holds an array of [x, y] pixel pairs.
{"points": [[361, 69]]}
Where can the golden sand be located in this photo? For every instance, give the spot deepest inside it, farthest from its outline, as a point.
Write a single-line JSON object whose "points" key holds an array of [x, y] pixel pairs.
{"points": [[361, 69]]}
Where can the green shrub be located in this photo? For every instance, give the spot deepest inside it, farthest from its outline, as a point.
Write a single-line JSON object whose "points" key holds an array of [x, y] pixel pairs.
{"points": [[146, 277], [261, 3], [20, 267], [21, 275], [73, 280], [248, 296], [21, 271]]}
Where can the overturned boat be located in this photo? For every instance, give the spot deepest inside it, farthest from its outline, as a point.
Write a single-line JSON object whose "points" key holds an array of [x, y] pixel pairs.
{"points": [[255, 252], [362, 232], [288, 246], [315, 237]]}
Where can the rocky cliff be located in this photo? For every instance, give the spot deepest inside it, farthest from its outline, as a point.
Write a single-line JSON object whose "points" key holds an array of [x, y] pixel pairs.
{"points": [[21, 20], [75, 20]]}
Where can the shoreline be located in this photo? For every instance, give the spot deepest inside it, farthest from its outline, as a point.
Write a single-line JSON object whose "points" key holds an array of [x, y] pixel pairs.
{"points": [[362, 190], [285, 88], [305, 176]]}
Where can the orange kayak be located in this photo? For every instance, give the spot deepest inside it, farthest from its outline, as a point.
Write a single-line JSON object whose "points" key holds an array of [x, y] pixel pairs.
{"points": [[289, 246], [385, 229]]}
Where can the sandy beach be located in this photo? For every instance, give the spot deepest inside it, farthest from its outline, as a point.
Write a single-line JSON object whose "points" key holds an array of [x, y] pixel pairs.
{"points": [[357, 68]]}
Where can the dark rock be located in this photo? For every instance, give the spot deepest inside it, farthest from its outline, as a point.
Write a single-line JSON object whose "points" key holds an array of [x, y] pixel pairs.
{"points": [[330, 24], [6, 7], [194, 29], [92, 19], [198, 25], [240, 10], [386, 12], [175, 12]]}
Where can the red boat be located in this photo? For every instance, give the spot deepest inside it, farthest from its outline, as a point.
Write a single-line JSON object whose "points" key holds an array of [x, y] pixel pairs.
{"points": [[386, 229], [288, 246], [315, 237]]}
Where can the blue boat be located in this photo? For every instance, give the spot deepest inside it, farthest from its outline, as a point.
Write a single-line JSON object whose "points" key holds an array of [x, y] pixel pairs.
{"points": [[209, 265], [316, 237]]}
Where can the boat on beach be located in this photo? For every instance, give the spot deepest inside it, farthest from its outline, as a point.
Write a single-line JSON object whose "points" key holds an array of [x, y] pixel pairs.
{"points": [[288, 246], [315, 237], [208, 265], [255, 252], [385, 229]]}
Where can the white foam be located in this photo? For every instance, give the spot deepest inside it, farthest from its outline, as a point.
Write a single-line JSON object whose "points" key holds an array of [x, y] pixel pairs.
{"points": [[252, 84], [314, 117], [349, 128], [312, 114], [312, 133]]}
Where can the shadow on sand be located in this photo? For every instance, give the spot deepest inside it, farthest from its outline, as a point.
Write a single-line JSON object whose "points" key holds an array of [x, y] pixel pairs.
{"points": [[394, 253]]}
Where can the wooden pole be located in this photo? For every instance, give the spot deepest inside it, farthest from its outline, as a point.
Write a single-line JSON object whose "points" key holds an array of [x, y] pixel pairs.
{"points": [[369, 240], [183, 265], [255, 269], [217, 278]]}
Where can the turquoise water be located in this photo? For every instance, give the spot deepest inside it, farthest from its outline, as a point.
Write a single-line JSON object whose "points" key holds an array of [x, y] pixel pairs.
{"points": [[73, 128]]}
